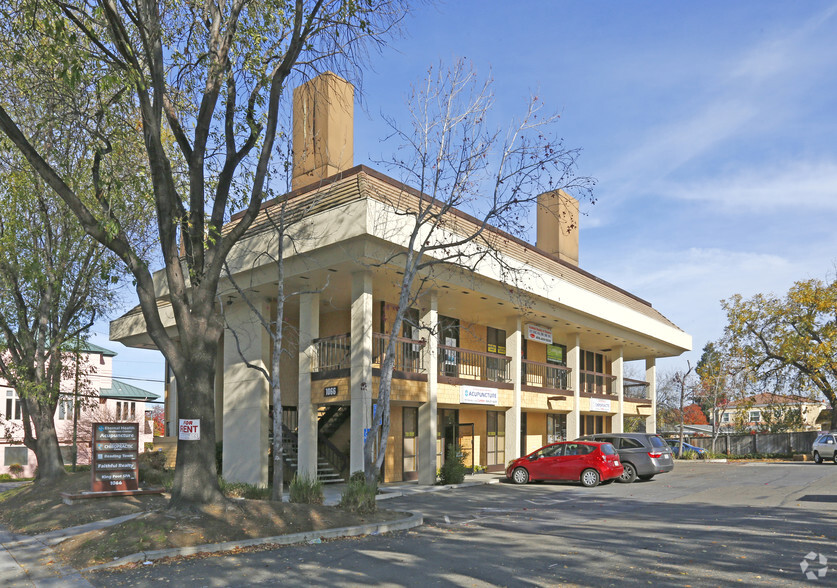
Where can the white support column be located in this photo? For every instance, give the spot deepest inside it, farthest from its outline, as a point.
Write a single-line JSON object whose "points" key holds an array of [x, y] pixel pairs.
{"points": [[514, 344], [309, 329], [617, 423], [651, 378], [574, 363], [361, 372], [428, 412], [246, 422]]}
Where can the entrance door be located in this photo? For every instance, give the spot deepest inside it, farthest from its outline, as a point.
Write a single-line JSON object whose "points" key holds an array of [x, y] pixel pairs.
{"points": [[447, 431], [466, 444]]}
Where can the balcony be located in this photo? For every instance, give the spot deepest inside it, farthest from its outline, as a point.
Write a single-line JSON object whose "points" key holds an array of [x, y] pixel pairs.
{"points": [[545, 375], [635, 389], [467, 364], [335, 353]]}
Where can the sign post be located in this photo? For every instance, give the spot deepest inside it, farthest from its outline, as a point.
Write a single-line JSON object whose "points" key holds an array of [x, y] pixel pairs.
{"points": [[115, 465]]}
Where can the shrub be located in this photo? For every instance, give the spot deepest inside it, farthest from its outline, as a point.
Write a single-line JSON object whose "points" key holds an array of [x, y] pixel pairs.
{"points": [[689, 454], [5, 477], [306, 491], [453, 470], [359, 496], [153, 459], [16, 470], [243, 490]]}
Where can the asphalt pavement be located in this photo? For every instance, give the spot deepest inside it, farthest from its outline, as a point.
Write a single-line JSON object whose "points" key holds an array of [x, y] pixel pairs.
{"points": [[701, 525]]}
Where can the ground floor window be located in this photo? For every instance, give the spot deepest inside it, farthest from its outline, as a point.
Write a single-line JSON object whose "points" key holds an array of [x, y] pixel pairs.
{"points": [[496, 437], [410, 448], [556, 428], [592, 424], [126, 411], [18, 455]]}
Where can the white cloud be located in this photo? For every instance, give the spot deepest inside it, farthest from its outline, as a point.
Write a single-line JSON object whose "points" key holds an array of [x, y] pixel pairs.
{"points": [[798, 185], [687, 285]]}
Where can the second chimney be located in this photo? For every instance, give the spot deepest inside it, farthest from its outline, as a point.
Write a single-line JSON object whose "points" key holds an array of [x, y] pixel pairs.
{"points": [[557, 221], [323, 134]]}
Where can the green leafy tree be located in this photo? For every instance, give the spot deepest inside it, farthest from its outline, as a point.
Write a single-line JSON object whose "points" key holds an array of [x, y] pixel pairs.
{"points": [[208, 81], [781, 418], [54, 282], [789, 341]]}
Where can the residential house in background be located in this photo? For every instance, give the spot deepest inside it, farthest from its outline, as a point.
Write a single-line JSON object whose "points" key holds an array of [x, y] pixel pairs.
{"points": [[494, 369], [102, 399], [756, 412]]}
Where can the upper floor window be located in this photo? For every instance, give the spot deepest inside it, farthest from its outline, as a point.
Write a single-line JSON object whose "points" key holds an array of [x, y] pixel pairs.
{"points": [[594, 379], [755, 416], [12, 405]]}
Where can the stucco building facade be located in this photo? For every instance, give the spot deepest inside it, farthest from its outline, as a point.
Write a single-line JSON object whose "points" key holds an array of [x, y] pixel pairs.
{"points": [[496, 370]]}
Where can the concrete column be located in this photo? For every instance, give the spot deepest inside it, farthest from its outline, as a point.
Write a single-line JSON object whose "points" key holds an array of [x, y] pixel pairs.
{"points": [[309, 329], [618, 387], [651, 378], [246, 392], [361, 372], [428, 412], [574, 363], [514, 344]]}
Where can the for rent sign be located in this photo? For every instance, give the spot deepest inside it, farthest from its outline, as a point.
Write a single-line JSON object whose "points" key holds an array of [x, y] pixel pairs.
{"points": [[115, 453], [190, 430]]}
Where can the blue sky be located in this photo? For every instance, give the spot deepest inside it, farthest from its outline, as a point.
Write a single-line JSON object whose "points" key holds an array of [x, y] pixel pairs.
{"points": [[709, 126]]}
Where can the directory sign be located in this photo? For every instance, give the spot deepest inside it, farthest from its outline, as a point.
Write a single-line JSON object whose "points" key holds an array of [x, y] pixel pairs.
{"points": [[115, 463]]}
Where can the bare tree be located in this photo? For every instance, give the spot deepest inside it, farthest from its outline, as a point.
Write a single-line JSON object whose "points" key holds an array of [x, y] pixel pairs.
{"points": [[458, 162], [684, 385], [207, 81]]}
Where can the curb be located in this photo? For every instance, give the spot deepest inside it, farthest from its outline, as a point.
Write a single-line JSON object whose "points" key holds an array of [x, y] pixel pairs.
{"points": [[414, 520], [397, 493]]}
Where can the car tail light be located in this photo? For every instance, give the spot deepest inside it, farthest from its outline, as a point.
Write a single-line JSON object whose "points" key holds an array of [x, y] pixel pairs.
{"points": [[655, 455]]}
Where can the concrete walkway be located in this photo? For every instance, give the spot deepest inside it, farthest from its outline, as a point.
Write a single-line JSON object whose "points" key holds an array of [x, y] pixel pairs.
{"points": [[27, 561]]}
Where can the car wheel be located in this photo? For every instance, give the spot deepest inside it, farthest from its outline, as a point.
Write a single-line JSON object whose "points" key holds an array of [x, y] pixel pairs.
{"points": [[520, 476], [590, 478], [646, 478], [835, 457], [817, 457], [628, 473]]}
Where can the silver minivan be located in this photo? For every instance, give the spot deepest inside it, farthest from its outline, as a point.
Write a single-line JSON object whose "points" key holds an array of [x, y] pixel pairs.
{"points": [[824, 448]]}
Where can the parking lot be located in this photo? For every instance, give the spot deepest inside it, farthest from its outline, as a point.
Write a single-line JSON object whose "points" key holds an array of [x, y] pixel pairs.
{"points": [[705, 524]]}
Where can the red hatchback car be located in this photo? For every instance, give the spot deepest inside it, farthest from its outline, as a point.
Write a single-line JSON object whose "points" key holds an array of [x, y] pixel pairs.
{"points": [[589, 462]]}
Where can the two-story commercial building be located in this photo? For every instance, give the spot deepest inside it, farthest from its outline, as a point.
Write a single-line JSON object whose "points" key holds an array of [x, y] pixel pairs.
{"points": [[496, 369]]}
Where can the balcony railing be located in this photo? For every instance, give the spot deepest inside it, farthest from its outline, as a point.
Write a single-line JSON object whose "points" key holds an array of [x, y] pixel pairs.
{"points": [[635, 389], [545, 375], [456, 362], [596, 382], [407, 353], [333, 353]]}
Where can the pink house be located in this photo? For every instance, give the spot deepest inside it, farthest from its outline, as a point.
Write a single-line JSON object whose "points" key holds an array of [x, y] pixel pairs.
{"points": [[101, 398]]}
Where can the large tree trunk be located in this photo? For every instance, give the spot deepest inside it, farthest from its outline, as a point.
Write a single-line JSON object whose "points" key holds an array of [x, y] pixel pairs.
{"points": [[44, 442], [195, 474]]}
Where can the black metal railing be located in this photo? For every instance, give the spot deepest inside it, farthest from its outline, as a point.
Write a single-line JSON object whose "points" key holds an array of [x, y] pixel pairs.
{"points": [[407, 353], [456, 362], [545, 375]]}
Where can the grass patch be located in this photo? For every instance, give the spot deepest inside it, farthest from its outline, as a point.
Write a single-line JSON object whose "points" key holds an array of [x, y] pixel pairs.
{"points": [[305, 491], [242, 490]]}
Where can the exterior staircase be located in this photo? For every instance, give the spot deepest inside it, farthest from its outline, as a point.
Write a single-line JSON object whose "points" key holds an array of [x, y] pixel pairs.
{"points": [[327, 473]]}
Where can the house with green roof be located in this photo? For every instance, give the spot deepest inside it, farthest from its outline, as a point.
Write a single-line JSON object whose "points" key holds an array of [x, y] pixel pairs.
{"points": [[101, 398]]}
